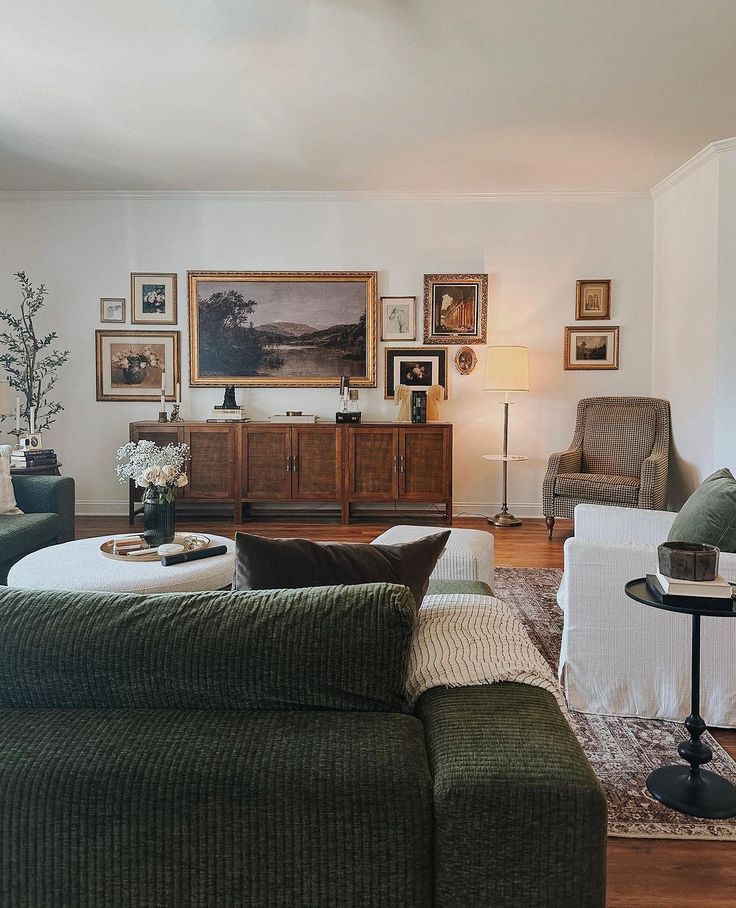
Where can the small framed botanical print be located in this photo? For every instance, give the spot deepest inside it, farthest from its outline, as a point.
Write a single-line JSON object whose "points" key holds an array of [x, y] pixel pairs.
{"points": [[135, 365], [593, 300], [465, 360], [455, 308], [398, 318], [591, 348], [112, 309], [153, 299], [417, 367]]}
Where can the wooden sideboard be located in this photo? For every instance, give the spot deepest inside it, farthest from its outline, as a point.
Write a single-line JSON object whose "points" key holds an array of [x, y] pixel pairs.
{"points": [[370, 463]]}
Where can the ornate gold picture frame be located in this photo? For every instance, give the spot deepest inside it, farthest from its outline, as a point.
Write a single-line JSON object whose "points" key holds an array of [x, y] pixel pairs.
{"points": [[282, 329], [591, 347], [130, 364], [455, 308]]}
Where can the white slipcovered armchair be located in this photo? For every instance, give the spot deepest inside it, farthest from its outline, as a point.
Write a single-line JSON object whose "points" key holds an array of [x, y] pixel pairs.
{"points": [[621, 658]]}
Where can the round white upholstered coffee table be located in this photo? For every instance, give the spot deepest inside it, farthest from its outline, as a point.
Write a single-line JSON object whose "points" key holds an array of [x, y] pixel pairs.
{"points": [[80, 565]]}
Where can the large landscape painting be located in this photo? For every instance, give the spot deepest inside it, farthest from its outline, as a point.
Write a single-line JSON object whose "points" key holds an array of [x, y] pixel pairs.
{"points": [[270, 329]]}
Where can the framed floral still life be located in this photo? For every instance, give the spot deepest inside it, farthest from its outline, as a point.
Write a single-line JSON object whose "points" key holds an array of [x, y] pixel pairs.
{"points": [[130, 364], [466, 360], [153, 299], [593, 300], [455, 308], [398, 318], [417, 367], [112, 310], [591, 348]]}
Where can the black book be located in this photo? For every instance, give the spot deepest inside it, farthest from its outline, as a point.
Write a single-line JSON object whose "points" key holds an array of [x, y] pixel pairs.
{"points": [[707, 603]]}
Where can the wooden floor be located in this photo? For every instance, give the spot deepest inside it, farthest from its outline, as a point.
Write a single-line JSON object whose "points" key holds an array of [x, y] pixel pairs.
{"points": [[642, 873]]}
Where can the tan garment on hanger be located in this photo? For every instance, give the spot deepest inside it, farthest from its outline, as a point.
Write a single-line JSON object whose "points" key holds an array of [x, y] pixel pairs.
{"points": [[435, 394]]}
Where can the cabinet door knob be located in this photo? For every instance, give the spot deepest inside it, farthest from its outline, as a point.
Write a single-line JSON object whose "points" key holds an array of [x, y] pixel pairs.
{"points": [[288, 463], [294, 462], [396, 463], [401, 464]]}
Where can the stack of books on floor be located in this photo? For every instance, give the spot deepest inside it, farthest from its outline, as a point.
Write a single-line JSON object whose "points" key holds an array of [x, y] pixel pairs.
{"points": [[705, 594], [21, 459], [228, 414]]}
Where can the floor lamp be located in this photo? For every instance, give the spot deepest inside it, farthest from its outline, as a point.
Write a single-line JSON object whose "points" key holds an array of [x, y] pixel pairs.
{"points": [[507, 370]]}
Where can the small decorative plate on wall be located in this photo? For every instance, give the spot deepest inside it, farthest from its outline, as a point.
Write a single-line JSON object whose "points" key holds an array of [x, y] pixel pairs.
{"points": [[465, 360]]}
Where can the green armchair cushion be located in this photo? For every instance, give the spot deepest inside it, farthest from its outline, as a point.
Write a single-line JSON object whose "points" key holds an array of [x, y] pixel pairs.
{"points": [[48, 495], [205, 808], [709, 514], [342, 647], [24, 533]]}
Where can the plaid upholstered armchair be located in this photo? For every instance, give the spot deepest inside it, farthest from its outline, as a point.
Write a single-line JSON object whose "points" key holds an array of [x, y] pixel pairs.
{"points": [[618, 456]]}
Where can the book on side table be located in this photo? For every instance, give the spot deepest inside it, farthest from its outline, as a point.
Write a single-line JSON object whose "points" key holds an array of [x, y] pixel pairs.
{"points": [[711, 594]]}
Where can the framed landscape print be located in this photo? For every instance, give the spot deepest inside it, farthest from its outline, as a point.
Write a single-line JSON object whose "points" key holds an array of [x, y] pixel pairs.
{"points": [[112, 309], [398, 318], [455, 308], [270, 329], [417, 367], [130, 364], [591, 348], [593, 300], [153, 299]]}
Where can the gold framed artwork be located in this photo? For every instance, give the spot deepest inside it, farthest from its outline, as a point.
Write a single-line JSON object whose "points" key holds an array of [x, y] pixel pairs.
{"points": [[398, 318], [153, 298], [591, 348], [288, 329], [455, 308], [417, 367], [466, 360], [112, 310], [130, 364], [593, 300]]}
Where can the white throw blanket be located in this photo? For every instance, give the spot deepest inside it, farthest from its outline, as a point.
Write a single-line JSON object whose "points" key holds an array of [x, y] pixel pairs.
{"points": [[461, 639]]}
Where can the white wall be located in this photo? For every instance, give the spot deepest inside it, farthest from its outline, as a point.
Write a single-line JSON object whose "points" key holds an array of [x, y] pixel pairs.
{"points": [[533, 248]]}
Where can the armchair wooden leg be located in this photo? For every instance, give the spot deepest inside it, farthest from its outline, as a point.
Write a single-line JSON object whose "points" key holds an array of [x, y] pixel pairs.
{"points": [[550, 521]]}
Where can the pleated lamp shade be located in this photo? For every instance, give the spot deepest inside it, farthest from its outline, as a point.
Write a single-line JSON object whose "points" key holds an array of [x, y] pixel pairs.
{"points": [[507, 369]]}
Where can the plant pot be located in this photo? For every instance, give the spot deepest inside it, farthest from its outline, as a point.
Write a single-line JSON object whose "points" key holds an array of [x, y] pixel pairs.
{"points": [[159, 520], [135, 373]]}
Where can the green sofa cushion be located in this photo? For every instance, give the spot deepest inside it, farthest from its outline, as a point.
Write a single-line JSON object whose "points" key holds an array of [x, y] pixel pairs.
{"points": [[709, 514], [474, 587], [340, 647], [24, 533], [172, 808]]}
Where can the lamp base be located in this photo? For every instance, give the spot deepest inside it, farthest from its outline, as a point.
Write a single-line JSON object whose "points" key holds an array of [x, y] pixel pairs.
{"points": [[504, 519]]}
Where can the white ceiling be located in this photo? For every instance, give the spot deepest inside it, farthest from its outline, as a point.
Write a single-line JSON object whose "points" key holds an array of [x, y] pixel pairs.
{"points": [[417, 95]]}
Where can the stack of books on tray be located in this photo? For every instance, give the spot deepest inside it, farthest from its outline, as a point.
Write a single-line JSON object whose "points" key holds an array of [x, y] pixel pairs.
{"points": [[228, 414], [706, 594], [21, 459]]}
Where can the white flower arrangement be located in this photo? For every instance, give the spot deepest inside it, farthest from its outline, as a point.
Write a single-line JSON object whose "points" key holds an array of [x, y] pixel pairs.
{"points": [[160, 470], [135, 356]]}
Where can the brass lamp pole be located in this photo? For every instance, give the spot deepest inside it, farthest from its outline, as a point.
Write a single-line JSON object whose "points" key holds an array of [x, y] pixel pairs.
{"points": [[507, 370]]}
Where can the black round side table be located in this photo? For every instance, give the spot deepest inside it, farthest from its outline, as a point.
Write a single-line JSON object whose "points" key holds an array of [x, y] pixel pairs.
{"points": [[690, 789]]}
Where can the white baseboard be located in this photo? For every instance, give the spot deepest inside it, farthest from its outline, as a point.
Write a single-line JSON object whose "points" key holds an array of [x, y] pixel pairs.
{"points": [[119, 508]]}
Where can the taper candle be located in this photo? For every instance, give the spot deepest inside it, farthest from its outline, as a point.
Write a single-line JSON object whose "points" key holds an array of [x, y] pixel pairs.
{"points": [[163, 382], [178, 393], [17, 415]]}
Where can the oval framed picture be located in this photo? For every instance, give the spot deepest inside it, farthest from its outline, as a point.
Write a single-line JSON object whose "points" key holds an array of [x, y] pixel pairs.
{"points": [[465, 360]]}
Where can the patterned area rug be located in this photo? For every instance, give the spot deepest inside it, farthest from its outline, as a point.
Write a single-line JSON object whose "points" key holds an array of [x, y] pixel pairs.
{"points": [[622, 751]]}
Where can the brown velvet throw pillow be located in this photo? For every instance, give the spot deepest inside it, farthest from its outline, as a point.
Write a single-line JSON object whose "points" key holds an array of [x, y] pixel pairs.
{"points": [[273, 564]]}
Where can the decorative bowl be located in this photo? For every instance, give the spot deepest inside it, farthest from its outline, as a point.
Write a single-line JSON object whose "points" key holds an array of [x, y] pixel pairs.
{"points": [[688, 560]]}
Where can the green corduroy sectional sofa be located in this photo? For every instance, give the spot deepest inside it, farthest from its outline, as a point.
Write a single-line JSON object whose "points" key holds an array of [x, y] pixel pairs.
{"points": [[47, 503], [257, 749]]}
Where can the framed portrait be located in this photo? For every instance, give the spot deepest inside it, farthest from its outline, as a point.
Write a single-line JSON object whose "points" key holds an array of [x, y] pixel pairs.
{"points": [[593, 300], [455, 308], [130, 364], [292, 329], [591, 348], [465, 360], [153, 299], [417, 367], [398, 318], [112, 309]]}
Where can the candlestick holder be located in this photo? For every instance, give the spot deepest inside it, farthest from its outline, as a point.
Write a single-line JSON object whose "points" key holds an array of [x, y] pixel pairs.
{"points": [[163, 416], [175, 414]]}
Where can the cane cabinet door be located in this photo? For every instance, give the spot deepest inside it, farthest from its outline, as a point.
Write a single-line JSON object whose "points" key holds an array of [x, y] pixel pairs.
{"points": [[266, 463], [373, 460], [211, 467], [316, 463], [424, 463]]}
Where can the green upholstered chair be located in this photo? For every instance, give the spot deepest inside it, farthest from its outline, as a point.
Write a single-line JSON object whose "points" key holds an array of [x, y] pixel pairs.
{"points": [[47, 503]]}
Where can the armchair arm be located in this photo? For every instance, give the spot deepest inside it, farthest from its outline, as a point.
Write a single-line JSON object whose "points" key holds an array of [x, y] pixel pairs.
{"points": [[653, 482], [518, 822], [48, 495], [562, 462], [606, 523]]}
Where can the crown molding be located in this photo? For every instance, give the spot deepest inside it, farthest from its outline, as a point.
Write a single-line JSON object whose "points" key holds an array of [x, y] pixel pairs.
{"points": [[44, 195], [694, 163]]}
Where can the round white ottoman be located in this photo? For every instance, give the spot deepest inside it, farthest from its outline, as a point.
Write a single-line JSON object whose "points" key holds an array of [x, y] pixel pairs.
{"points": [[80, 565]]}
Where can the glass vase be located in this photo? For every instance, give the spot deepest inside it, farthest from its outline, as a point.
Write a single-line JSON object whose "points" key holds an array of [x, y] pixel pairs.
{"points": [[159, 519]]}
